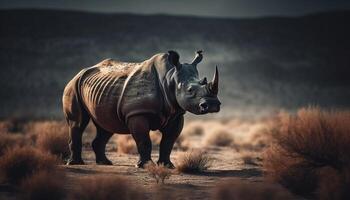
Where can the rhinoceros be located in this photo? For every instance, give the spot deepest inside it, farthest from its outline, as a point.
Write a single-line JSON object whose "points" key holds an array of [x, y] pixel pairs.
{"points": [[134, 98]]}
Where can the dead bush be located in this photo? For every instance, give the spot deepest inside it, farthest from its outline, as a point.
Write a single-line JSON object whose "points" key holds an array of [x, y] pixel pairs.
{"points": [[182, 143], [238, 190], [193, 162], [156, 137], [250, 158], [304, 144], [8, 141], [44, 185], [53, 137], [103, 187], [126, 144], [193, 129], [158, 172], [5, 126], [333, 184], [219, 137], [20, 163], [14, 125]]}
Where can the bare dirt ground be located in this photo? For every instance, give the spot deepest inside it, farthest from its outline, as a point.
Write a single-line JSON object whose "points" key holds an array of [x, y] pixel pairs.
{"points": [[226, 164]]}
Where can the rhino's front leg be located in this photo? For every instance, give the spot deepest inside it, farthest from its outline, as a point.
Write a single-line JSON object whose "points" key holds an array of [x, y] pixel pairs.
{"points": [[169, 135], [139, 128]]}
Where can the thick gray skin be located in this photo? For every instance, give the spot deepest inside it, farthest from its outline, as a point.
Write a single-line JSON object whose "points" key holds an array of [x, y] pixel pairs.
{"points": [[136, 98]]}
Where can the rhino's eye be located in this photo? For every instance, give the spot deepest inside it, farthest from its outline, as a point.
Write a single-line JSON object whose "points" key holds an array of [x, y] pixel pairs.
{"points": [[190, 90]]}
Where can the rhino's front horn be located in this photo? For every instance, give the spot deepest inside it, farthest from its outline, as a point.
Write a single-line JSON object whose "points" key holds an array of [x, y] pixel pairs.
{"points": [[214, 84], [198, 58]]}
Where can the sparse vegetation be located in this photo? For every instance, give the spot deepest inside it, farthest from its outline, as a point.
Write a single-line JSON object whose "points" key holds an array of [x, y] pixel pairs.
{"points": [[305, 145], [52, 137], [126, 144], [9, 141], [239, 190], [182, 143], [219, 137], [250, 158], [44, 185], [194, 162], [158, 172], [156, 137], [103, 187], [15, 125], [193, 129], [20, 163]]}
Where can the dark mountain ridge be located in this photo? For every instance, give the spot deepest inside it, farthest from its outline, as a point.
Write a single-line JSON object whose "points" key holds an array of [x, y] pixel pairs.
{"points": [[266, 63]]}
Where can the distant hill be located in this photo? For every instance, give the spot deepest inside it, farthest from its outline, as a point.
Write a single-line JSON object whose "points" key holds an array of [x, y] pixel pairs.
{"points": [[265, 63]]}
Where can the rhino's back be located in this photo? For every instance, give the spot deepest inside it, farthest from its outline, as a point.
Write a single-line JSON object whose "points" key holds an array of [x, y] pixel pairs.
{"points": [[112, 91]]}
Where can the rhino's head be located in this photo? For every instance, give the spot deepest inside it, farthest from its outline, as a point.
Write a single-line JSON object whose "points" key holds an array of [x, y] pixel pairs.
{"points": [[192, 93]]}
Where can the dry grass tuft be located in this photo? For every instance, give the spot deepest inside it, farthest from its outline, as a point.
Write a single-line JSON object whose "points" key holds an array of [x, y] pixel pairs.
{"points": [[126, 144], [44, 185], [20, 163], [52, 137], [219, 137], [238, 190], [103, 187], [304, 145], [158, 172], [194, 162]]}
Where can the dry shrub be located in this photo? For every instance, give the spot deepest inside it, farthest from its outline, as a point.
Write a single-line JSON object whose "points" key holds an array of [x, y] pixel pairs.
{"points": [[103, 187], [219, 137], [53, 137], [304, 145], [238, 190], [20, 163], [126, 144], [193, 129], [156, 137], [44, 185], [182, 143], [333, 184], [12, 125], [158, 172], [194, 162], [9, 141], [250, 158], [5, 126]]}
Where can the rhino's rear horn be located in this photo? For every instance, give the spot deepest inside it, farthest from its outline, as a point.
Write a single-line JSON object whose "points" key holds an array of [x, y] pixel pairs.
{"points": [[198, 58], [174, 59], [214, 84]]}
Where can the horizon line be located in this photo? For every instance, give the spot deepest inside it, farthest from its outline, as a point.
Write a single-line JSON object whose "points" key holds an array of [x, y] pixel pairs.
{"points": [[173, 15]]}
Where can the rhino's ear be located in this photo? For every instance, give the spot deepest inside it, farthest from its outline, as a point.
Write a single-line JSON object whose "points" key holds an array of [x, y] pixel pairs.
{"points": [[198, 58], [174, 59]]}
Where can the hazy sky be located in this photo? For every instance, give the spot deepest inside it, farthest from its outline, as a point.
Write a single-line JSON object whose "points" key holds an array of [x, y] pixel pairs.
{"points": [[217, 8]]}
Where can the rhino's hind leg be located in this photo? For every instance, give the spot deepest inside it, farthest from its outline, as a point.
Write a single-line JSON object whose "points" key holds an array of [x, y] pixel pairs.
{"points": [[139, 128], [99, 146], [76, 130], [77, 118]]}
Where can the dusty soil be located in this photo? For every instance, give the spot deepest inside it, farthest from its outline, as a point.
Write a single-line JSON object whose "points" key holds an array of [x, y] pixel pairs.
{"points": [[226, 164]]}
